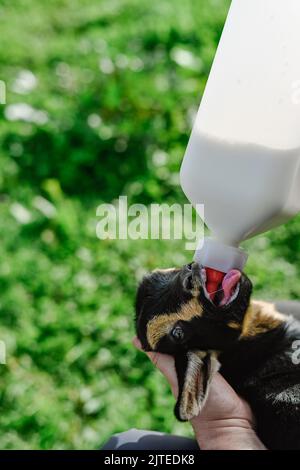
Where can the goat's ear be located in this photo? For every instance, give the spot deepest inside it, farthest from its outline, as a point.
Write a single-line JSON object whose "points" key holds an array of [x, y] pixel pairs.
{"points": [[195, 370]]}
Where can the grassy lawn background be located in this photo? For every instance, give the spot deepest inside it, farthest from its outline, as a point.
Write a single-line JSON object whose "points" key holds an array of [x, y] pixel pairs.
{"points": [[100, 101]]}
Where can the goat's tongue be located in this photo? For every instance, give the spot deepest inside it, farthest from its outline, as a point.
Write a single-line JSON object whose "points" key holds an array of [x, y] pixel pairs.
{"points": [[229, 284]]}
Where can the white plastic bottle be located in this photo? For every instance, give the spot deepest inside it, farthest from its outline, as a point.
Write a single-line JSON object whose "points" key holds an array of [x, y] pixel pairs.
{"points": [[243, 157]]}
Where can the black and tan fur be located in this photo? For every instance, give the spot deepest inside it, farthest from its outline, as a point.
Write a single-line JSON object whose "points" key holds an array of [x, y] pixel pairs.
{"points": [[249, 341]]}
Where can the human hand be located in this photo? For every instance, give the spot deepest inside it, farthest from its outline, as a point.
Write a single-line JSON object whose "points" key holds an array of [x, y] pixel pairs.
{"points": [[226, 420]]}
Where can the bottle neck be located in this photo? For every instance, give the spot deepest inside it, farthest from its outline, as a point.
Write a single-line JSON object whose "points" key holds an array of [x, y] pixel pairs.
{"points": [[217, 255]]}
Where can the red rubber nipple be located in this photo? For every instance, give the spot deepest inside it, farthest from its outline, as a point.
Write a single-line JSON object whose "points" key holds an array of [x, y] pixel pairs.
{"points": [[213, 280]]}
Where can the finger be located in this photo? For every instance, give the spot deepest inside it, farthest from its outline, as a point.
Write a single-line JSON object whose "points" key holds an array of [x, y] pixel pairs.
{"points": [[164, 363]]}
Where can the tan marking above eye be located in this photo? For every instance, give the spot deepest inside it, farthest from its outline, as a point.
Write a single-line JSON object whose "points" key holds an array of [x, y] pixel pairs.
{"points": [[162, 324]]}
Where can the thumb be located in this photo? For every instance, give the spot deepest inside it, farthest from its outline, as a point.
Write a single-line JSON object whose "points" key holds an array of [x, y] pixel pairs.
{"points": [[163, 362]]}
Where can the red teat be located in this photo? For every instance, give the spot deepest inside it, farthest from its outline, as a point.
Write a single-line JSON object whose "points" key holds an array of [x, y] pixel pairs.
{"points": [[213, 280]]}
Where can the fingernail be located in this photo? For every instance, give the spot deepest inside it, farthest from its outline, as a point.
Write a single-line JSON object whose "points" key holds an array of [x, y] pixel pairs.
{"points": [[136, 342], [151, 355]]}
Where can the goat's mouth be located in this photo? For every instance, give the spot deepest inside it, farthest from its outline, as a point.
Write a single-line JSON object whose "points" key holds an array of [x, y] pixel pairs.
{"points": [[227, 290]]}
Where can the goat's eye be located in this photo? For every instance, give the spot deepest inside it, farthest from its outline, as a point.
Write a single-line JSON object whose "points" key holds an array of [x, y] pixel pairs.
{"points": [[177, 334]]}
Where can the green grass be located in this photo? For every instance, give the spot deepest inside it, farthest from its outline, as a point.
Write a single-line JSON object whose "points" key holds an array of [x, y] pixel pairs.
{"points": [[116, 91]]}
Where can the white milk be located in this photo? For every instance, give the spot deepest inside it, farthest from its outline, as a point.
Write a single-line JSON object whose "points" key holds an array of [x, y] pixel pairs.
{"points": [[243, 158]]}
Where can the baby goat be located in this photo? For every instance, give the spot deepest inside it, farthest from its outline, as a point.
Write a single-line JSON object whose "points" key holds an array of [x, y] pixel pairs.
{"points": [[249, 341]]}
